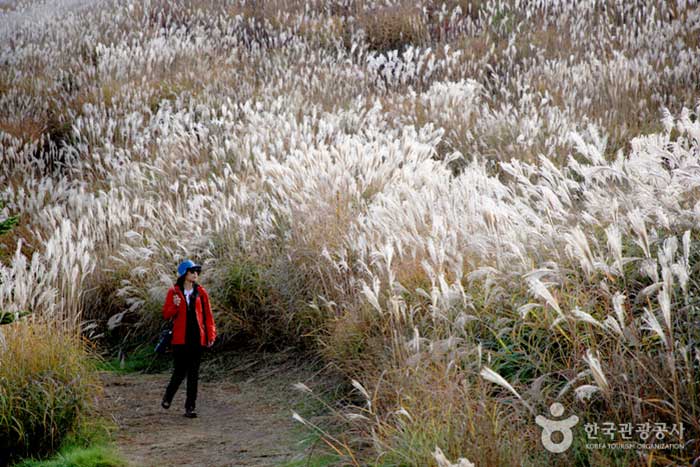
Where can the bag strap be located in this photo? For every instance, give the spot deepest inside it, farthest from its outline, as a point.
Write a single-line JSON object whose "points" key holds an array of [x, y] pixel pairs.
{"points": [[204, 318]]}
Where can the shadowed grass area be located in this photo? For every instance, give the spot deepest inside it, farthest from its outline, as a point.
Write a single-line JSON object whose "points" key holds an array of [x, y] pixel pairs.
{"points": [[142, 359]]}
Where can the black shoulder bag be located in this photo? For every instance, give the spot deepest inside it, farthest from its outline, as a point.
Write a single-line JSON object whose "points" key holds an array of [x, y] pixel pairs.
{"points": [[166, 337]]}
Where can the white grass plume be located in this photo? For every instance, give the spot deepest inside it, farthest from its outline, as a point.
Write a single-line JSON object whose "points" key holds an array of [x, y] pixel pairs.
{"points": [[489, 375], [597, 371], [442, 461], [538, 289]]}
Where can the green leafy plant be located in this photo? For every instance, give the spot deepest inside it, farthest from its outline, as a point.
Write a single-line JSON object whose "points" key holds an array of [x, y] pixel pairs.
{"points": [[7, 224]]}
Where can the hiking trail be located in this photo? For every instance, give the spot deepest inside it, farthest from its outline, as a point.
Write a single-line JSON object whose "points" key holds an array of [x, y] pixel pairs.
{"points": [[244, 415]]}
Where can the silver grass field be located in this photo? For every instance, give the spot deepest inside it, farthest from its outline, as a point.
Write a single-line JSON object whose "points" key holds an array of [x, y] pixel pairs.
{"points": [[473, 209]]}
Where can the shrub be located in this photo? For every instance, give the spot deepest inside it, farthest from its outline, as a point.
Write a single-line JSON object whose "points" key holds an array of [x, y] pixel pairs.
{"points": [[246, 296], [260, 303], [47, 386], [393, 28]]}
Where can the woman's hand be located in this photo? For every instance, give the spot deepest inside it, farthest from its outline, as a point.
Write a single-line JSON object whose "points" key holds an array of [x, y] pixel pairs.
{"points": [[176, 300]]}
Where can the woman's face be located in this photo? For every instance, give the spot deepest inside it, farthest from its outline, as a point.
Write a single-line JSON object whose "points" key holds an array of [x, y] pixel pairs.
{"points": [[192, 276]]}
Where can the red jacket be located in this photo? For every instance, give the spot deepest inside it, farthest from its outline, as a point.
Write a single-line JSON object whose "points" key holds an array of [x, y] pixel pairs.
{"points": [[202, 308]]}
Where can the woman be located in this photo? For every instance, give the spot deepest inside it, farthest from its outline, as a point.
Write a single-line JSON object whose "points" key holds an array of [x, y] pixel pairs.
{"points": [[187, 303]]}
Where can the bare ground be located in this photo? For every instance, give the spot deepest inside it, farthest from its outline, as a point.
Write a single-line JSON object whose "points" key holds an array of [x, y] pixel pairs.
{"points": [[244, 415]]}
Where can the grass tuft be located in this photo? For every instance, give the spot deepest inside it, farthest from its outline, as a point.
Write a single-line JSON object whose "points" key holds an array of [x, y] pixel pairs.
{"points": [[47, 387], [76, 456]]}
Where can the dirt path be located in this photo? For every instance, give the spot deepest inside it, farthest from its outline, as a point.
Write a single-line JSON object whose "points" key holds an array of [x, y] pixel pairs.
{"points": [[244, 417]]}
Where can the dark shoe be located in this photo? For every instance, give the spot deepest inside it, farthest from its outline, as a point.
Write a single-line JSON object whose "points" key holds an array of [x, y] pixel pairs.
{"points": [[190, 413], [165, 404]]}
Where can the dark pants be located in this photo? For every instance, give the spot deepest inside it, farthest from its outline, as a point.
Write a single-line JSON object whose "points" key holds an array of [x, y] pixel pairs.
{"points": [[187, 360]]}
